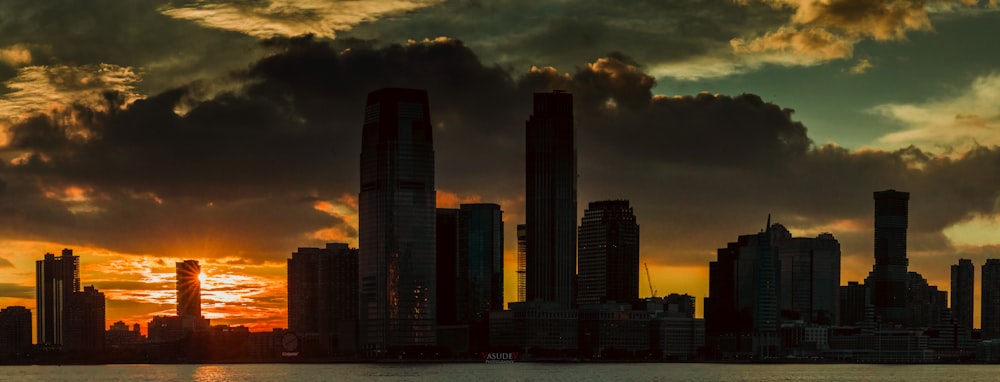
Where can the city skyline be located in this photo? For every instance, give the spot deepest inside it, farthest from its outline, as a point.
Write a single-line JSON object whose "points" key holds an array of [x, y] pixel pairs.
{"points": [[235, 146]]}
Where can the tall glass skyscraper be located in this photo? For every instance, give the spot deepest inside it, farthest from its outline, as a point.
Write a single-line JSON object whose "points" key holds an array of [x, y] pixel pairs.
{"points": [[550, 199], [609, 253], [889, 277], [396, 262]]}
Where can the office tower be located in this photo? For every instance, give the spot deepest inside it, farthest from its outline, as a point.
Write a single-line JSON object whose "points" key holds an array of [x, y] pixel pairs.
{"points": [[852, 303], [323, 296], [810, 276], [397, 222], [609, 253], [963, 279], [481, 258], [188, 289], [550, 199], [85, 315], [990, 294], [679, 305], [56, 279], [470, 262], [522, 261], [447, 237], [889, 275], [766, 279], [15, 332], [724, 314]]}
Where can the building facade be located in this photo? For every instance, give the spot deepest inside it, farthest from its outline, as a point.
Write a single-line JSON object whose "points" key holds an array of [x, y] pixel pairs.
{"points": [[550, 199], [323, 297], [56, 279], [963, 281], [608, 253], [397, 258], [188, 289]]}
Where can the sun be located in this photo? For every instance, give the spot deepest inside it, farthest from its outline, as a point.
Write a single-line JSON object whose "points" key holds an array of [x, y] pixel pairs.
{"points": [[202, 277]]}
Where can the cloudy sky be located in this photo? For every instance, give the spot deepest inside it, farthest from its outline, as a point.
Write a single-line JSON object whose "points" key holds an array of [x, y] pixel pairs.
{"points": [[145, 132]]}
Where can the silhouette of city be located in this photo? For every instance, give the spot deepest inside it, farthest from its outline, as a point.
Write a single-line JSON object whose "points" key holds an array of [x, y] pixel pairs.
{"points": [[426, 283]]}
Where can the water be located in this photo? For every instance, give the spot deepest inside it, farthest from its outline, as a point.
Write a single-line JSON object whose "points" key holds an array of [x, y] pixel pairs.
{"points": [[501, 372]]}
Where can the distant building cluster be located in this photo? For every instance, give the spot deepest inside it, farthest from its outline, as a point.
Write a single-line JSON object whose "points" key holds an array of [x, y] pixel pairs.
{"points": [[427, 282]]}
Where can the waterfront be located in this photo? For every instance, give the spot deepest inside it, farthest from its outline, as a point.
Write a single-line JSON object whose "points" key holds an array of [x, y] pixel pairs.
{"points": [[500, 372]]}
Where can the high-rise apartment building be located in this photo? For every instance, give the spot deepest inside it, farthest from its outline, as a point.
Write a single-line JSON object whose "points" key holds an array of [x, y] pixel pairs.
{"points": [[397, 257], [56, 279], [608, 253], [889, 275], [990, 294], [323, 296], [963, 280], [550, 199], [522, 261]]}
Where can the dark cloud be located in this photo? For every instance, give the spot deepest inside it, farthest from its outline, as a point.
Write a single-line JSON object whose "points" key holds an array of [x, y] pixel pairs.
{"points": [[246, 166], [4, 263], [132, 33], [17, 291], [522, 33]]}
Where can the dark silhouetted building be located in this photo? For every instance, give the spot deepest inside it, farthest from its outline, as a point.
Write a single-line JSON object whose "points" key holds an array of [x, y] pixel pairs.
{"points": [[119, 334], [15, 333], [550, 199], [481, 259], [963, 281], [85, 321], [188, 289], [56, 279], [522, 261], [396, 223], [990, 294], [470, 270], [810, 276], [679, 305], [889, 276], [165, 329], [924, 302], [323, 298], [608, 254], [852, 303], [741, 312]]}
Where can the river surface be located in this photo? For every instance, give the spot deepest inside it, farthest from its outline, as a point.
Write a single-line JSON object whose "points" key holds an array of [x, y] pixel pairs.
{"points": [[502, 372]]}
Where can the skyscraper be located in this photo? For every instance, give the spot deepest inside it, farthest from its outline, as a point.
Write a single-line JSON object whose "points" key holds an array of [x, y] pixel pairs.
{"points": [[522, 261], [609, 253], [990, 314], [889, 275], [56, 279], [323, 296], [963, 279], [481, 257], [447, 237], [397, 222], [550, 199], [810, 276], [188, 289]]}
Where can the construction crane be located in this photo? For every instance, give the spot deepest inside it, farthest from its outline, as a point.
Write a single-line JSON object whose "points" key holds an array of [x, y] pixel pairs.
{"points": [[652, 291]]}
